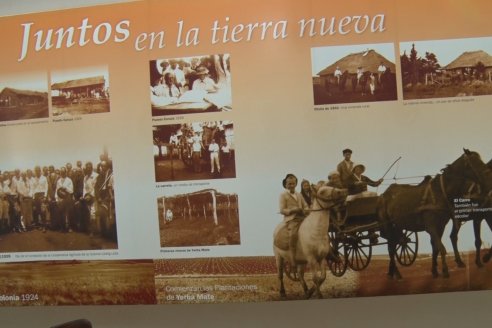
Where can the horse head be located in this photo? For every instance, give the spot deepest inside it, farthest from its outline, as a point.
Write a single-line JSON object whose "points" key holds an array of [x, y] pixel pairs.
{"points": [[326, 196], [470, 166]]}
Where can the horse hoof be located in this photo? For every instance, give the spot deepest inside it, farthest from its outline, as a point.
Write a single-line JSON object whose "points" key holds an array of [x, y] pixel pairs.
{"points": [[309, 293], [460, 264], [479, 264]]}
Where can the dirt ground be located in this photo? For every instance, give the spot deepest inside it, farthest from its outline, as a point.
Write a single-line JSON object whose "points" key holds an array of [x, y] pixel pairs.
{"points": [[78, 283], [417, 279], [372, 281], [178, 171], [253, 288], [334, 96], [198, 233], [429, 91], [101, 106], [24, 113], [38, 241]]}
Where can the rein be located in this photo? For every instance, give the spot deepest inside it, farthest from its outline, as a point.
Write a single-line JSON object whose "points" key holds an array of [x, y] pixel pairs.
{"points": [[318, 198]]}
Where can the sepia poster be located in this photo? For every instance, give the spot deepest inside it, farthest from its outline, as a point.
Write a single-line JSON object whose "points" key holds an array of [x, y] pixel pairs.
{"points": [[209, 152]]}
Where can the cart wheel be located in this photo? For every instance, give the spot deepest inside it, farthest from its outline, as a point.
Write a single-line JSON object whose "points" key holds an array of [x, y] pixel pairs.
{"points": [[358, 252], [407, 247], [337, 266]]}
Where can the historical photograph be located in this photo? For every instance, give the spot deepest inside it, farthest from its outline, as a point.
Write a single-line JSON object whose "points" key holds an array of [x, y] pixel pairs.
{"points": [[57, 207], [446, 68], [205, 217], [80, 91], [24, 96], [196, 151], [190, 85], [352, 74]]}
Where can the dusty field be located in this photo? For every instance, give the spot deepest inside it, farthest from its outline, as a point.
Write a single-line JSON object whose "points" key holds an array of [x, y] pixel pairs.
{"points": [[417, 279], [178, 171], [94, 107], [199, 232], [77, 283], [251, 279], [24, 113], [334, 96], [37, 241], [429, 91]]}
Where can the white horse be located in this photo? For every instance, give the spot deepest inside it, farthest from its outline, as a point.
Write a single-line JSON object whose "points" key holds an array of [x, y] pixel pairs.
{"points": [[313, 244]]}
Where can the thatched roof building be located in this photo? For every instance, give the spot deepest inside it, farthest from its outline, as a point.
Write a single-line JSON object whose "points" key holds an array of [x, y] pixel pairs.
{"points": [[470, 59], [369, 60], [10, 97], [80, 86]]}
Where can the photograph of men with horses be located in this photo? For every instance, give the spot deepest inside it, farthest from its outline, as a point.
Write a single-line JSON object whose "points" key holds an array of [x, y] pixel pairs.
{"points": [[24, 96], [206, 217], [194, 151], [80, 91], [190, 85], [58, 205], [446, 68], [352, 74]]}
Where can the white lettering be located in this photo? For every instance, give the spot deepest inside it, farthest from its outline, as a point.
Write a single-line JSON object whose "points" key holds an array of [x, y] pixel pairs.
{"points": [[344, 22], [107, 35]]}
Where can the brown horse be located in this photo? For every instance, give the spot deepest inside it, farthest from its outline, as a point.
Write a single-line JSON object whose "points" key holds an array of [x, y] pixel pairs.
{"points": [[484, 199], [427, 207]]}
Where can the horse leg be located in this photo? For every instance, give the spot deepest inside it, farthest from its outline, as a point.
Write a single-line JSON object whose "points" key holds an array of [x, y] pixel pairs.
{"points": [[488, 256], [300, 273], [434, 271], [280, 271], [437, 236], [478, 241], [322, 265], [454, 240], [393, 272]]}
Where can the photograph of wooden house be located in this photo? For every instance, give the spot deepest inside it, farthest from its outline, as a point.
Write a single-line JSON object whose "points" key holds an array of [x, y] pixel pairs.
{"points": [[23, 96], [204, 217], [446, 68], [80, 91], [352, 74]]}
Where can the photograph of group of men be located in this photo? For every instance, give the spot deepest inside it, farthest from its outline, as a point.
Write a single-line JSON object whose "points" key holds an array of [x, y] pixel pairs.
{"points": [[194, 151], [190, 85], [67, 199]]}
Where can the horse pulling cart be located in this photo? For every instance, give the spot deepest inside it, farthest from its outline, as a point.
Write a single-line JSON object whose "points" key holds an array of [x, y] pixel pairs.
{"points": [[353, 233]]}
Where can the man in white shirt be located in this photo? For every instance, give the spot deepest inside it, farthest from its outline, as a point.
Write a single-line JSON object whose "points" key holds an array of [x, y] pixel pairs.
{"points": [[213, 148], [87, 205], [204, 82], [39, 187], [64, 200], [338, 74]]}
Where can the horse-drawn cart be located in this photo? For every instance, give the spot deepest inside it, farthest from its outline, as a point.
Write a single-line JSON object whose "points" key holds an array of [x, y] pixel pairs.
{"points": [[353, 233]]}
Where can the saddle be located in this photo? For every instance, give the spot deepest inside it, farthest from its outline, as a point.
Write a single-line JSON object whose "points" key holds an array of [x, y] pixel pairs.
{"points": [[282, 238]]}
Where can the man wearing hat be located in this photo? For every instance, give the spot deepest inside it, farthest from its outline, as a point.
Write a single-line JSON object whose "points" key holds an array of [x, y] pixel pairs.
{"points": [[357, 183], [294, 209], [334, 180], [204, 82], [345, 167]]}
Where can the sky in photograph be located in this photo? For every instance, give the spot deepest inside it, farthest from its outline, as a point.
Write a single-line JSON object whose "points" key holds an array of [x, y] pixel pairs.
{"points": [[321, 57], [32, 81], [447, 50]]}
